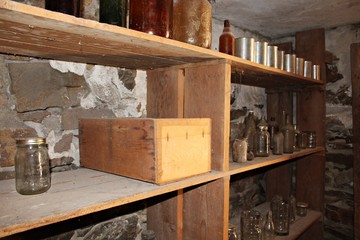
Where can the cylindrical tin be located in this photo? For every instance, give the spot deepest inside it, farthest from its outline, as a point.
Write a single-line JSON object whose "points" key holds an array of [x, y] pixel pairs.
{"points": [[272, 56], [316, 72], [307, 69], [280, 59], [289, 64], [261, 52], [299, 66], [244, 48]]}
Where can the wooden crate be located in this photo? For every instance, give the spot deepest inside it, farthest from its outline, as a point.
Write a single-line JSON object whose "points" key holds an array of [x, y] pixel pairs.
{"points": [[152, 150]]}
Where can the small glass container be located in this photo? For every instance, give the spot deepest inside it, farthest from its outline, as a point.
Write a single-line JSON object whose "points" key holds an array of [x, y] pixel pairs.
{"points": [[232, 232], [239, 150], [262, 140], [278, 148], [32, 169], [311, 139], [301, 209], [281, 216], [303, 139]]}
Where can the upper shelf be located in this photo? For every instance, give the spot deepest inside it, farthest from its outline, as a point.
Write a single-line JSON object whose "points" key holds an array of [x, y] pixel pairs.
{"points": [[31, 31]]}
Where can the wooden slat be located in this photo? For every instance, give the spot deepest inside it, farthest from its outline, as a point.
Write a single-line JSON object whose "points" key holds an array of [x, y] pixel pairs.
{"points": [[207, 95], [278, 181], [355, 80], [206, 211]]}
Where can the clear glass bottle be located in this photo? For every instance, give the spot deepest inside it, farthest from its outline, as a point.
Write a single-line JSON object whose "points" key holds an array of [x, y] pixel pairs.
{"points": [[152, 16], [32, 171], [232, 235], [227, 40], [268, 230], [278, 143], [113, 12], [296, 138], [195, 26], [289, 136], [250, 129], [261, 140], [273, 128], [292, 213], [71, 7], [312, 139]]}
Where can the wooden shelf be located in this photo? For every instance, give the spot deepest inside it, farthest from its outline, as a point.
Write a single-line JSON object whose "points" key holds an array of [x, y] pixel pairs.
{"points": [[259, 162], [85, 191], [31, 31]]}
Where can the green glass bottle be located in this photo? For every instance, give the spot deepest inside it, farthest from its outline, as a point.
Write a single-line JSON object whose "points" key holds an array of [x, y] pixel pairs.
{"points": [[113, 12]]}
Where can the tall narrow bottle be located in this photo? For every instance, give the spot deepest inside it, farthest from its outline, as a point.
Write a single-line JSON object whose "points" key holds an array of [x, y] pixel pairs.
{"points": [[261, 140], [289, 136], [152, 16], [269, 230], [113, 12], [227, 40]]}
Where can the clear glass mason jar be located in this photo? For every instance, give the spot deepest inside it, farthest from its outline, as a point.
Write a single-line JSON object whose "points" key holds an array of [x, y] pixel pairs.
{"points": [[32, 170]]}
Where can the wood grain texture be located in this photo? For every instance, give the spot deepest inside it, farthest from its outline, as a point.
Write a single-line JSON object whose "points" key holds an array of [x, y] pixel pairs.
{"points": [[278, 181], [147, 149], [355, 80], [207, 95], [206, 211]]}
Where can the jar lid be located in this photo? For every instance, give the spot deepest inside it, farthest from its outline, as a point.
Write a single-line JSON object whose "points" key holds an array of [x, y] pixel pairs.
{"points": [[302, 204], [31, 141]]}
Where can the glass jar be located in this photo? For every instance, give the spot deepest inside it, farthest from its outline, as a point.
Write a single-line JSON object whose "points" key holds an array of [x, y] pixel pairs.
{"points": [[240, 150], [32, 169], [250, 129], [71, 7], [273, 128], [152, 17], [227, 40], [251, 225], [193, 26], [303, 139], [113, 12], [261, 140], [281, 216]]}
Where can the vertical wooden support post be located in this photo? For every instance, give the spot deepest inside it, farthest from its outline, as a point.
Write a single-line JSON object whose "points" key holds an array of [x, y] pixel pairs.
{"points": [[355, 79], [279, 100], [194, 91], [310, 179], [207, 94], [165, 99]]}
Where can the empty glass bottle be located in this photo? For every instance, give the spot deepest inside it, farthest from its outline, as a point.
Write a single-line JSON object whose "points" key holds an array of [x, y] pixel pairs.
{"points": [[278, 148], [289, 136], [268, 230], [71, 7], [261, 140], [296, 138], [193, 26], [152, 16], [32, 172], [113, 12], [273, 128], [250, 129], [227, 40]]}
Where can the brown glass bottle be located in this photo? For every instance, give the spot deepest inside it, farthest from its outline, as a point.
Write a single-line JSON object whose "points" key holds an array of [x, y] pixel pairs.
{"points": [[195, 26], [71, 7], [152, 16], [227, 40]]}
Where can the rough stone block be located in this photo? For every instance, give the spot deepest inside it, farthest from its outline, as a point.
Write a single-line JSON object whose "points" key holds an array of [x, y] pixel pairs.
{"points": [[64, 144], [70, 117]]}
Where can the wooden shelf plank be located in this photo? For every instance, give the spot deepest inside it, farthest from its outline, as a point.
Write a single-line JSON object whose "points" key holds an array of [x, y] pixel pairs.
{"points": [[260, 162], [84, 191], [36, 32]]}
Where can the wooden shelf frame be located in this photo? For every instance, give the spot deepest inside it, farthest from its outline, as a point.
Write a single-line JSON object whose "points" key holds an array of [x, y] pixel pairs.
{"points": [[175, 72], [85, 191]]}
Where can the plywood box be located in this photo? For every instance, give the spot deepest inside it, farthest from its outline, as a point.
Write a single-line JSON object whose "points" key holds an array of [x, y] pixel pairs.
{"points": [[152, 150]]}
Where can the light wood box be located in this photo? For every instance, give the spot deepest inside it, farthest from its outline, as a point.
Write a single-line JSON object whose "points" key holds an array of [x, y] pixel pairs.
{"points": [[152, 150]]}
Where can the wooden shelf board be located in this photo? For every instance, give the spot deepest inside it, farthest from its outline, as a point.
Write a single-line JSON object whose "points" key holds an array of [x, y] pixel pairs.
{"points": [[298, 227], [77, 193], [84, 191], [31, 31], [259, 162]]}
